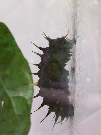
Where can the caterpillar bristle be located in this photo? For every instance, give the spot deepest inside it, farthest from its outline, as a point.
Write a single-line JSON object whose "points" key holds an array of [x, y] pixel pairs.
{"points": [[31, 73], [54, 125], [39, 107], [38, 54], [38, 46], [36, 64], [34, 73], [33, 84], [29, 99], [54, 115], [46, 115], [35, 45], [46, 37], [56, 118], [66, 35], [60, 121], [32, 97]]}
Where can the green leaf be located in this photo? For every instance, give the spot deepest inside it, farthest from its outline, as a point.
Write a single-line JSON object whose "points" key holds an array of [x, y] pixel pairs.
{"points": [[14, 73]]}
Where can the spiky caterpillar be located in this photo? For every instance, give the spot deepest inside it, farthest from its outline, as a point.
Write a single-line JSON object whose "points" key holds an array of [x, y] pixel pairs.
{"points": [[53, 82]]}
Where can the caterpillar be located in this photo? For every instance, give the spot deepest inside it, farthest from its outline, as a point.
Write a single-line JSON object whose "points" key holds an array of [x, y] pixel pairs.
{"points": [[53, 77]]}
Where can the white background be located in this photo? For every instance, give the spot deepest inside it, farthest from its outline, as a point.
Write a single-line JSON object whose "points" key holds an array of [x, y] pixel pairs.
{"points": [[26, 19]]}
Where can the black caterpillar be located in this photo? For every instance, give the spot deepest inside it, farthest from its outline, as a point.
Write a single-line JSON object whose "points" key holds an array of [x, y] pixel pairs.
{"points": [[53, 82]]}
